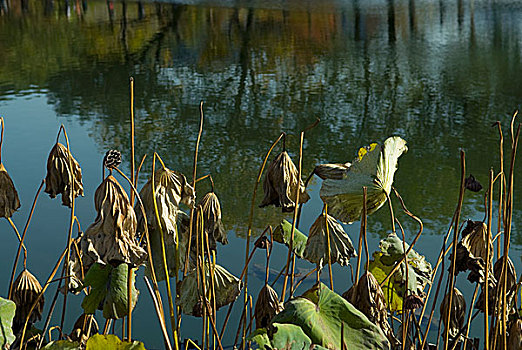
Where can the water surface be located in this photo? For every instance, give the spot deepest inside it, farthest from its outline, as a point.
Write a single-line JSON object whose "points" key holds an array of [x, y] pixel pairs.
{"points": [[437, 73]]}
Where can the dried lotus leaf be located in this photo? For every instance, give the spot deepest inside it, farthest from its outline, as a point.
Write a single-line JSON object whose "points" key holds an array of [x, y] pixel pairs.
{"points": [[112, 236], [368, 297], [267, 306], [515, 335], [341, 247], [476, 243], [458, 312], [227, 288], [281, 184], [9, 201], [60, 172], [25, 292], [84, 327], [171, 188], [210, 220], [332, 171]]}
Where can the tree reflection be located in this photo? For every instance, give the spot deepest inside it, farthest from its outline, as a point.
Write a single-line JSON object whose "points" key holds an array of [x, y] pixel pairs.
{"points": [[263, 71]]}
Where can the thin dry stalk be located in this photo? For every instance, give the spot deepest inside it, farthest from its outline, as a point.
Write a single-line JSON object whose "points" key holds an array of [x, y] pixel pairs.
{"points": [[359, 248], [21, 243], [173, 322], [469, 318], [44, 287], [328, 246], [486, 278], [159, 313], [71, 224], [194, 174], [501, 203], [291, 248], [133, 175], [455, 240]]}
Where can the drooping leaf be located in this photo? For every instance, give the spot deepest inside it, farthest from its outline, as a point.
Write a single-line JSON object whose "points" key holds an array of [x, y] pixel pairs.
{"points": [[26, 290], [458, 312], [109, 290], [227, 287], [267, 306], [319, 313], [374, 168], [7, 313], [112, 236], [9, 201], [341, 247], [59, 175], [393, 290], [281, 184], [112, 342], [283, 235]]}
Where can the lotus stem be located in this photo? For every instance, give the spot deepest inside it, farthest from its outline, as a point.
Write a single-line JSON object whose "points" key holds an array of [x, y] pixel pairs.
{"points": [[391, 211], [158, 314], [129, 306], [469, 317], [44, 288], [306, 276], [488, 254], [164, 256], [133, 175], [20, 240], [71, 224], [328, 246], [291, 249], [146, 230], [1, 137], [194, 174], [501, 203], [455, 240], [404, 319]]}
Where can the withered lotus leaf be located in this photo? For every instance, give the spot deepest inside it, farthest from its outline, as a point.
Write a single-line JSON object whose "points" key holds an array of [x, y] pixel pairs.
{"points": [[368, 297], [9, 201], [227, 287], [511, 273], [332, 171], [341, 247], [83, 324], [458, 312], [210, 219], [60, 173], [515, 335], [77, 267], [171, 188], [267, 306], [281, 184], [112, 236], [25, 292]]}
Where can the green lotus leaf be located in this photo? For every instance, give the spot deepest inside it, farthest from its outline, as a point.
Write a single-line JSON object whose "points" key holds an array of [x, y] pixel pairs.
{"points": [[7, 313], [283, 235], [319, 313], [227, 287], [62, 345], [373, 168], [109, 290], [112, 342], [393, 251]]}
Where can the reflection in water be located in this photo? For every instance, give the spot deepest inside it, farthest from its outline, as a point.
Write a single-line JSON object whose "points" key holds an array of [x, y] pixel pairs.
{"points": [[435, 73]]}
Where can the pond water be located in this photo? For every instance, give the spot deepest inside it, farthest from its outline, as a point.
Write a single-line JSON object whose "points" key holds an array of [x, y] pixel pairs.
{"points": [[437, 73]]}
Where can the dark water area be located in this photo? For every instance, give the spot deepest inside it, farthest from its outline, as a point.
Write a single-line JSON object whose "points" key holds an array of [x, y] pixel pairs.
{"points": [[437, 73]]}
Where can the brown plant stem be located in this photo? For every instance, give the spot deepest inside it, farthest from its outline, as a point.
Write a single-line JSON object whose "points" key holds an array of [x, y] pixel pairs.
{"points": [[158, 314], [20, 241], [71, 224], [291, 254], [328, 246], [488, 255], [469, 318], [133, 175], [194, 174], [455, 240], [21, 244]]}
